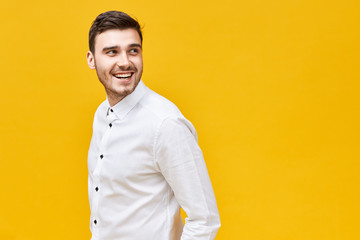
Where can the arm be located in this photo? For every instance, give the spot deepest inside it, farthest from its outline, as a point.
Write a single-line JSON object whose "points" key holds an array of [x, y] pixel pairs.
{"points": [[181, 162]]}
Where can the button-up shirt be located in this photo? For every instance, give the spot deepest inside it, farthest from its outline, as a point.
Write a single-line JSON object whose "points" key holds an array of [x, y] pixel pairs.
{"points": [[144, 164]]}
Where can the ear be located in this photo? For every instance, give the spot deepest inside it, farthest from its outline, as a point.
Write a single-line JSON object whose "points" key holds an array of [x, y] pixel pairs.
{"points": [[90, 59]]}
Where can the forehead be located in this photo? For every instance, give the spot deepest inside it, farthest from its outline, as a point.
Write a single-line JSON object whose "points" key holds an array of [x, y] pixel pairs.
{"points": [[117, 37]]}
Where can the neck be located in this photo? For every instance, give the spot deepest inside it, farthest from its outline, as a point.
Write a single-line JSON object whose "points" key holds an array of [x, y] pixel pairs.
{"points": [[113, 100]]}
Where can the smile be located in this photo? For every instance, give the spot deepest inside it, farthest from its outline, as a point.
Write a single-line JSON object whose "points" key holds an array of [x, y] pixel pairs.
{"points": [[123, 75]]}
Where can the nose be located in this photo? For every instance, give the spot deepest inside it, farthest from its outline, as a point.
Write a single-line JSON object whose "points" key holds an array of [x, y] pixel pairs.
{"points": [[123, 61]]}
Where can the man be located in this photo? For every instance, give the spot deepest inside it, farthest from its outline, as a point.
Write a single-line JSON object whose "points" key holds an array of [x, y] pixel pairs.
{"points": [[144, 161]]}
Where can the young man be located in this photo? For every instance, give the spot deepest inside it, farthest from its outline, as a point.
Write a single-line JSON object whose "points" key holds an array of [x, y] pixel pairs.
{"points": [[144, 161]]}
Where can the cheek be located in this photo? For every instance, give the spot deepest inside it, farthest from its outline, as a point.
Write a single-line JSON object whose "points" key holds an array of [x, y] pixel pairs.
{"points": [[103, 64], [139, 63]]}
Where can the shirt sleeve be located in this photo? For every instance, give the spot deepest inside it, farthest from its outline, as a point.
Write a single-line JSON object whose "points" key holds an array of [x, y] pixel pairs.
{"points": [[181, 162]]}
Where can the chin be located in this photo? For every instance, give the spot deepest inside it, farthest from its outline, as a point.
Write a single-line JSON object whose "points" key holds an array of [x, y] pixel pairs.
{"points": [[126, 90]]}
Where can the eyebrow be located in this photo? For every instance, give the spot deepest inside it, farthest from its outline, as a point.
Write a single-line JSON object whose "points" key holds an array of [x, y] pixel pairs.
{"points": [[117, 46], [135, 45], [108, 48]]}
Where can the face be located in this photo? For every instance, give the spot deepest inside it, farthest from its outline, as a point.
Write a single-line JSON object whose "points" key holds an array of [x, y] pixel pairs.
{"points": [[118, 62]]}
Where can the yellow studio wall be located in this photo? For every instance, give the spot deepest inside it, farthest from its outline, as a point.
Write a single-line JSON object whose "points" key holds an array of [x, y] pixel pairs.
{"points": [[271, 86]]}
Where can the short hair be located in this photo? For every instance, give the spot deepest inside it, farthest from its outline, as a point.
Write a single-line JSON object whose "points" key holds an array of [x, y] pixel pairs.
{"points": [[111, 20]]}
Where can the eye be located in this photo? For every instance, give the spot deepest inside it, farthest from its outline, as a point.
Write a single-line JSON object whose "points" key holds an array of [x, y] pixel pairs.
{"points": [[133, 51], [111, 52]]}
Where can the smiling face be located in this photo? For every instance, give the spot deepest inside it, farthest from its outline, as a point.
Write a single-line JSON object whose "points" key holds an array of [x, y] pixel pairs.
{"points": [[117, 59]]}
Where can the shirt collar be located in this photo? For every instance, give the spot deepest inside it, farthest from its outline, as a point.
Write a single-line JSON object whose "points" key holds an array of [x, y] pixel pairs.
{"points": [[126, 104]]}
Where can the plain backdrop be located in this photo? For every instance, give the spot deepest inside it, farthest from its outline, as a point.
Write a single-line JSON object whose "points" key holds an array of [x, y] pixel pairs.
{"points": [[271, 86]]}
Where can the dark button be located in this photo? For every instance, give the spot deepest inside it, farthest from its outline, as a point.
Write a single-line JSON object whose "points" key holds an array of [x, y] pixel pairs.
{"points": [[111, 110], [96, 189], [110, 125], [95, 221], [101, 156]]}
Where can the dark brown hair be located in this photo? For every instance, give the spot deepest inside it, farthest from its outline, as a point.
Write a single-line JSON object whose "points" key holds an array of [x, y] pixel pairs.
{"points": [[111, 20]]}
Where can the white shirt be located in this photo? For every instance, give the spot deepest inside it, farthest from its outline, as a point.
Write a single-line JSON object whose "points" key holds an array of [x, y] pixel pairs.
{"points": [[144, 163]]}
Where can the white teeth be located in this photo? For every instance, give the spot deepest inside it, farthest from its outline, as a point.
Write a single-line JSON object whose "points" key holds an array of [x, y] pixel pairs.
{"points": [[123, 75]]}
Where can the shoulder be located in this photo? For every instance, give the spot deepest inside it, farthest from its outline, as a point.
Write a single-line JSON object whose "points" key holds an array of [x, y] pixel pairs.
{"points": [[159, 106], [167, 114]]}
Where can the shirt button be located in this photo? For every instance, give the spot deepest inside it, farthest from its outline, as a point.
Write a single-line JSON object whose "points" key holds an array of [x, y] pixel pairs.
{"points": [[111, 110], [110, 125], [95, 221], [96, 189], [101, 156]]}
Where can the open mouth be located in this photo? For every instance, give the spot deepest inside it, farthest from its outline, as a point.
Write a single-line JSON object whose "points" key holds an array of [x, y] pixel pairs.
{"points": [[123, 76]]}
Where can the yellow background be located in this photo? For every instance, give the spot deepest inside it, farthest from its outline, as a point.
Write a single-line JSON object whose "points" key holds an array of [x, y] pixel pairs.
{"points": [[271, 86]]}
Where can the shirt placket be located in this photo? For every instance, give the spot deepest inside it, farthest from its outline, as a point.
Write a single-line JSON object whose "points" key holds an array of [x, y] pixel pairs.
{"points": [[97, 186]]}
